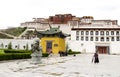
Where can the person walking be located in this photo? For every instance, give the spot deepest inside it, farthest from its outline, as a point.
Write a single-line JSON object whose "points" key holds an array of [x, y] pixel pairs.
{"points": [[95, 58]]}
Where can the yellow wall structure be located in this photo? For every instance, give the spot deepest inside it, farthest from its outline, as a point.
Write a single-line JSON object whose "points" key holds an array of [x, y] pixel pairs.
{"points": [[58, 44]]}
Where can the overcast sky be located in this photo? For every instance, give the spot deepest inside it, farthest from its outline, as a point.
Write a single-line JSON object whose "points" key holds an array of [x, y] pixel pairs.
{"points": [[14, 12]]}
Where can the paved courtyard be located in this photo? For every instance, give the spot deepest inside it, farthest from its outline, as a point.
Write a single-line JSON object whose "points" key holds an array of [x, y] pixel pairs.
{"points": [[79, 66]]}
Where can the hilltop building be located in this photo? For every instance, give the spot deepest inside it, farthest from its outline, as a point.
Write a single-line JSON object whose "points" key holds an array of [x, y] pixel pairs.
{"points": [[62, 18], [87, 34], [37, 23], [65, 21], [102, 36]]}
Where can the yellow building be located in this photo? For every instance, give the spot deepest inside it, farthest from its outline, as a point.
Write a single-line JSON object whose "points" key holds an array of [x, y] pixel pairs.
{"points": [[53, 40]]}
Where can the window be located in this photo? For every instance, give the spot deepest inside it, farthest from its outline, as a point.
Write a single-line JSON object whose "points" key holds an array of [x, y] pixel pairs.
{"points": [[87, 33], [16, 46], [91, 33], [24, 47], [112, 38], [86, 38], [96, 33], [102, 38], [77, 32], [112, 32], [82, 32], [91, 38], [82, 38], [107, 32], [96, 39], [31, 45], [82, 44], [55, 45], [117, 32], [117, 38], [102, 33], [77, 37], [108, 23], [6, 46], [107, 38]]}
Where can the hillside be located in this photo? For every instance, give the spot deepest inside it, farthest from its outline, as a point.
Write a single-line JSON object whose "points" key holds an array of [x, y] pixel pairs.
{"points": [[11, 32], [3, 36]]}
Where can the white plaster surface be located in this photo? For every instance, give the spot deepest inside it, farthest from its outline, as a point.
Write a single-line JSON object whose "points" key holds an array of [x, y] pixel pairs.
{"points": [[78, 66]]}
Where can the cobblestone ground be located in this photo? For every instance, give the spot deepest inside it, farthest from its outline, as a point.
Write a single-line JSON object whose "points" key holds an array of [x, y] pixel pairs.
{"points": [[78, 66]]}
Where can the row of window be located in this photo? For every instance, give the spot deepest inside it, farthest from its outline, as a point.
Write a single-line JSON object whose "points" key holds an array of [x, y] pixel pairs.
{"points": [[16, 47], [98, 32], [98, 38]]}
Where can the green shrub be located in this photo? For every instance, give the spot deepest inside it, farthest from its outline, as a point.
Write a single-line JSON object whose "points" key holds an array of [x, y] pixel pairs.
{"points": [[45, 54], [27, 47], [69, 50], [12, 56], [73, 52], [2, 52], [10, 45], [16, 51]]}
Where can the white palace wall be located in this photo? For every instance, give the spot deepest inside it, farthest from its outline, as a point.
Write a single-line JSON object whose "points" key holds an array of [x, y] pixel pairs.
{"points": [[90, 47], [76, 44], [115, 48], [16, 43], [83, 47]]}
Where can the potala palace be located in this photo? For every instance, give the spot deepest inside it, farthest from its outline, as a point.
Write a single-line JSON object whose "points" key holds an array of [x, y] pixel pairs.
{"points": [[87, 34]]}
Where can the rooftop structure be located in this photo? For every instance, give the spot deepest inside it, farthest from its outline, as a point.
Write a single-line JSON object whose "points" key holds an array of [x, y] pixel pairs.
{"points": [[62, 18]]}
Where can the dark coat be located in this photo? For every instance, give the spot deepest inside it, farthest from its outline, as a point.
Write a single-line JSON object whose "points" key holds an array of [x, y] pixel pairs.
{"points": [[96, 59]]}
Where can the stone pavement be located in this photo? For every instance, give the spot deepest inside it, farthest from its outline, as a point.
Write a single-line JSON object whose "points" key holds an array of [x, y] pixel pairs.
{"points": [[78, 66]]}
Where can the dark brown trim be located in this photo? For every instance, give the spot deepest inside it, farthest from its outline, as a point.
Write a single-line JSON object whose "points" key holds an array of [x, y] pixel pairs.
{"points": [[95, 29]]}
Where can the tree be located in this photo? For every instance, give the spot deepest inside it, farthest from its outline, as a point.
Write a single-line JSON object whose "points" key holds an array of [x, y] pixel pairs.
{"points": [[2, 45], [27, 46], [18, 47], [67, 47], [10, 45]]}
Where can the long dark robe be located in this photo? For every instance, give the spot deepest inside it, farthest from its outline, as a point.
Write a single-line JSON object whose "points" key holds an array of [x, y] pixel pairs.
{"points": [[96, 59]]}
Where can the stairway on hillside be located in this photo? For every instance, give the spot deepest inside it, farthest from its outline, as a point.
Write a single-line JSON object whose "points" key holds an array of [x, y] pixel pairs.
{"points": [[8, 35], [25, 32]]}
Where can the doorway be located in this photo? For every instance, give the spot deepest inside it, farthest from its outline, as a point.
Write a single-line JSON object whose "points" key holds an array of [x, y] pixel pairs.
{"points": [[49, 46], [102, 49]]}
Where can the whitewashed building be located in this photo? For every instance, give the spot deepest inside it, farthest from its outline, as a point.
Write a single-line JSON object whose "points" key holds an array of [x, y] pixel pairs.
{"points": [[87, 35], [92, 36], [37, 23]]}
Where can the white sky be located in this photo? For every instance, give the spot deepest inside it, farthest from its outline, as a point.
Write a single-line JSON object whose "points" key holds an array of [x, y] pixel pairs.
{"points": [[14, 12]]}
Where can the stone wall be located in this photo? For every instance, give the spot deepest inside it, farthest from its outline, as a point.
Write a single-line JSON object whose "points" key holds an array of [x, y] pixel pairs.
{"points": [[16, 43]]}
